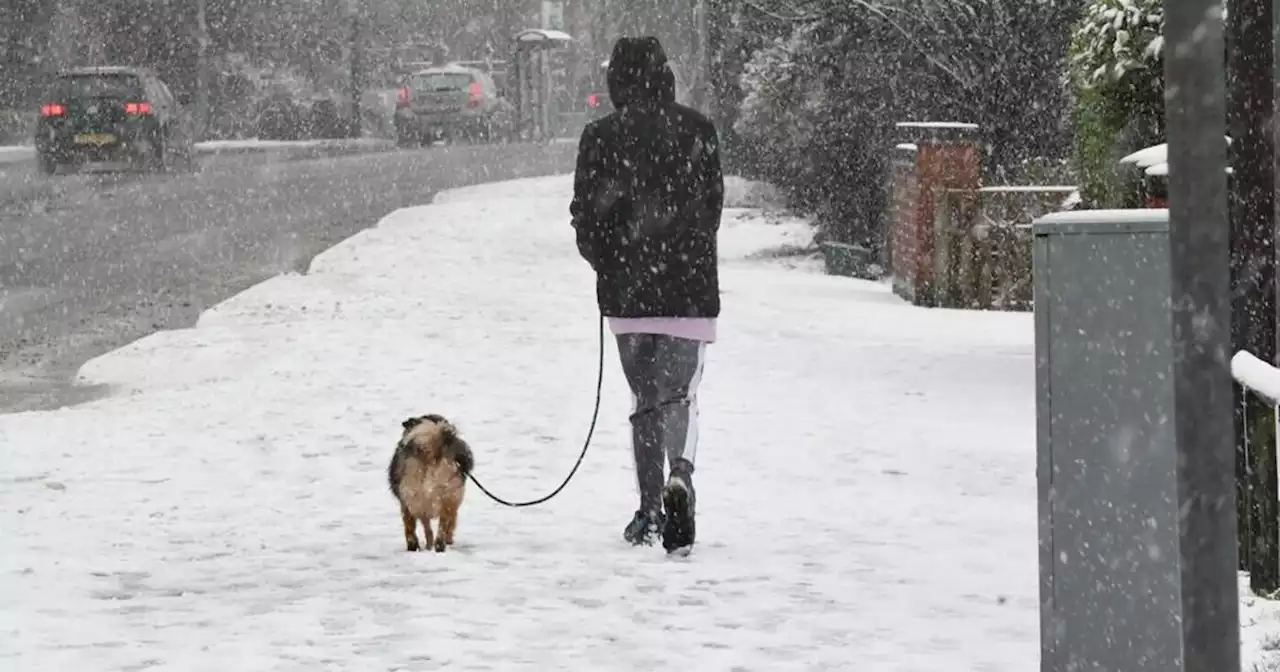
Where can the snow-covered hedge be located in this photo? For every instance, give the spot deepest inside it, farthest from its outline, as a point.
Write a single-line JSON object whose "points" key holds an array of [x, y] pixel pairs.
{"points": [[1116, 75], [1118, 40]]}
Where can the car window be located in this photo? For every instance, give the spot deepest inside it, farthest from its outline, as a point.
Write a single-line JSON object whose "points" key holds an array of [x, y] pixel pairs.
{"points": [[441, 81], [100, 86]]}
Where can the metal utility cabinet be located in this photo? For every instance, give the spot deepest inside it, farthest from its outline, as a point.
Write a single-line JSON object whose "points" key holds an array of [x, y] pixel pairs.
{"points": [[1109, 570]]}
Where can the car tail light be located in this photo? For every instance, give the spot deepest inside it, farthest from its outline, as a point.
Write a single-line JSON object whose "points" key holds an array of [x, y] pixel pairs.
{"points": [[402, 97], [475, 95], [138, 108], [53, 110], [593, 100]]}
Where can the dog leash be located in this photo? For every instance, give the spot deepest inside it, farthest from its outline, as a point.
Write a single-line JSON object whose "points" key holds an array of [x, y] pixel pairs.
{"points": [[585, 444]]}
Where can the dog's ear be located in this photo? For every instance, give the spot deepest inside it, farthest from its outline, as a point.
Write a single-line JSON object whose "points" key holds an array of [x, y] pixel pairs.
{"points": [[411, 423]]}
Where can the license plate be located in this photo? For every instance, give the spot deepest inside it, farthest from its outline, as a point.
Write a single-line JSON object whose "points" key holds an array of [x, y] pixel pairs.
{"points": [[98, 139]]}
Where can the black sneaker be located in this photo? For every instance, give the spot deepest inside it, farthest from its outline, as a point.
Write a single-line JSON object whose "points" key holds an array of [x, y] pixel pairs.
{"points": [[678, 500], [644, 528]]}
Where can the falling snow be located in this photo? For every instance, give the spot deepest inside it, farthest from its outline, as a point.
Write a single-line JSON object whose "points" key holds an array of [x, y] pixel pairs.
{"points": [[242, 240]]}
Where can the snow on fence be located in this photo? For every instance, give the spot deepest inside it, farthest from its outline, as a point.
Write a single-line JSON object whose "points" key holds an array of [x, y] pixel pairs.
{"points": [[1257, 375]]}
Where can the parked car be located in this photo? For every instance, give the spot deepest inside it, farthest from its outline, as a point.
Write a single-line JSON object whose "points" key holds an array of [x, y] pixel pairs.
{"points": [[450, 102], [597, 100], [113, 115], [284, 116], [497, 71]]}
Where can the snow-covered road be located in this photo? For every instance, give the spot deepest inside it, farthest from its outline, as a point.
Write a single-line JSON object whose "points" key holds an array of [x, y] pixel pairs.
{"points": [[19, 153]]}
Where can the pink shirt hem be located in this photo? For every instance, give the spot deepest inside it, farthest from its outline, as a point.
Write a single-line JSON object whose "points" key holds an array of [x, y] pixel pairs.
{"points": [[692, 328]]}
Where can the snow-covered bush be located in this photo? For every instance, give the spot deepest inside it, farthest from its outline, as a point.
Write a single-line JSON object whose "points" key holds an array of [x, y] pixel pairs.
{"points": [[1119, 42], [810, 113], [1116, 73]]}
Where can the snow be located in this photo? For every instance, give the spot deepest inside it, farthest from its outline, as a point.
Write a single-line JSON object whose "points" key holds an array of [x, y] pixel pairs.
{"points": [[865, 484], [447, 67], [937, 124], [1162, 170], [1256, 375], [1028, 189], [1259, 630], [14, 154], [215, 146], [1148, 156], [1121, 216], [543, 35], [1153, 155], [1073, 200]]}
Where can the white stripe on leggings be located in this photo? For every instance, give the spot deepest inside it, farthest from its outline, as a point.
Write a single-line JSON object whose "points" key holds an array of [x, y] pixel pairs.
{"points": [[635, 405], [690, 450]]}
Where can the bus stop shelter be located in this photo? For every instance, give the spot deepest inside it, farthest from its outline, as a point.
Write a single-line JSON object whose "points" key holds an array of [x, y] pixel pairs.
{"points": [[537, 113]]}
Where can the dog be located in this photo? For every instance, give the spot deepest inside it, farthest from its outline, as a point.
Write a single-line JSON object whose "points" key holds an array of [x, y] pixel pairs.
{"points": [[428, 476]]}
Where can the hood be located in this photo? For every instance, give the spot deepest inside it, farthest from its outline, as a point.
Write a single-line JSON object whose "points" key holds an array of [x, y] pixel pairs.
{"points": [[638, 72]]}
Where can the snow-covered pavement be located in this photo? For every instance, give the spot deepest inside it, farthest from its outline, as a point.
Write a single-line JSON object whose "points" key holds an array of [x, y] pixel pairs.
{"points": [[866, 477]]}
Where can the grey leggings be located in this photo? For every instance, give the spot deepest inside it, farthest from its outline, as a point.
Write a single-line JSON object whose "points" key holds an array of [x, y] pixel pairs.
{"points": [[663, 373]]}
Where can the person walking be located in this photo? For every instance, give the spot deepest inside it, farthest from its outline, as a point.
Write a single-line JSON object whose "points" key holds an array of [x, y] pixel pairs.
{"points": [[647, 200]]}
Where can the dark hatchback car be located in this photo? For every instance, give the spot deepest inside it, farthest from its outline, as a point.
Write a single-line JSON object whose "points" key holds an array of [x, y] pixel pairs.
{"points": [[113, 115]]}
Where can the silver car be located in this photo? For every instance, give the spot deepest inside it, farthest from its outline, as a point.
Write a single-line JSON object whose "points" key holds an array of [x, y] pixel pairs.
{"points": [[450, 102]]}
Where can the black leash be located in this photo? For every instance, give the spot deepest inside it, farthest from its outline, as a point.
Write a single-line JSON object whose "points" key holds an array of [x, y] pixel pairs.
{"points": [[585, 444]]}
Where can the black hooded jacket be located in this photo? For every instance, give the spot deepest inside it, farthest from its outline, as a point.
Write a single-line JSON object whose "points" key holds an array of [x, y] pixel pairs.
{"points": [[648, 193]]}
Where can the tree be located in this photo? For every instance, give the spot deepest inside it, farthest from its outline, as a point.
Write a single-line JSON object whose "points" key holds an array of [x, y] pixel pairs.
{"points": [[822, 100]]}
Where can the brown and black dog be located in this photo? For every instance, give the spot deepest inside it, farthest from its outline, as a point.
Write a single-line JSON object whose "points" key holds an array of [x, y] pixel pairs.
{"points": [[428, 475]]}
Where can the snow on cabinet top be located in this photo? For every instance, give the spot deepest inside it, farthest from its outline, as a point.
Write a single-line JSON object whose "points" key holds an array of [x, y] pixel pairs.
{"points": [[1086, 220]]}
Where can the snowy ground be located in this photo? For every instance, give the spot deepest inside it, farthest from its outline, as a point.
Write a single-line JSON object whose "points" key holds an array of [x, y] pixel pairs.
{"points": [[220, 146], [866, 477], [14, 154]]}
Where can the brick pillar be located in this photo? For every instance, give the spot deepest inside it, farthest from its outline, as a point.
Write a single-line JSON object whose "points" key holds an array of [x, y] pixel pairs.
{"points": [[902, 195], [946, 157]]}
